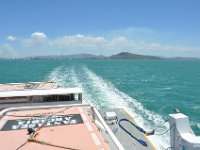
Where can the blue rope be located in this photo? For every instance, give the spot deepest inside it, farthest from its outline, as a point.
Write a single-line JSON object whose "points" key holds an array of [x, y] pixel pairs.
{"points": [[139, 128]]}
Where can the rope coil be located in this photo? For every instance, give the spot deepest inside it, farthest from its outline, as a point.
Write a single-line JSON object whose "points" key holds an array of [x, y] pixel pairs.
{"points": [[139, 128]]}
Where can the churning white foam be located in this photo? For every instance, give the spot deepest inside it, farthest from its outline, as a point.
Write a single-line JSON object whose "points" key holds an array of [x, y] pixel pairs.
{"points": [[112, 97], [103, 93]]}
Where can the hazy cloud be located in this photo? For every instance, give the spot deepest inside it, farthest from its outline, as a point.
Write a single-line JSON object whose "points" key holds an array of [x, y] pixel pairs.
{"points": [[6, 51], [11, 38], [39, 43], [79, 41]]}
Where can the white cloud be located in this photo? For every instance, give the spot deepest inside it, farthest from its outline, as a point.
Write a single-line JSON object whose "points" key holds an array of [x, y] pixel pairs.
{"points": [[39, 43], [11, 38], [38, 36], [6, 51], [37, 39], [78, 42], [102, 45]]}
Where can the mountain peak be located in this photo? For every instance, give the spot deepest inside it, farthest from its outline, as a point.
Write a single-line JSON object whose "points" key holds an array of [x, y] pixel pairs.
{"points": [[127, 55]]}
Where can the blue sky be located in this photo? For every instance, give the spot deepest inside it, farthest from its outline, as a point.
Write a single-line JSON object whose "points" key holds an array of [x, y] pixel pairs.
{"points": [[44, 27]]}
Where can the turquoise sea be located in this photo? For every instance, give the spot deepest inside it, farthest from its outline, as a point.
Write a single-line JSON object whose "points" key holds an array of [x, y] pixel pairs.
{"points": [[149, 89]]}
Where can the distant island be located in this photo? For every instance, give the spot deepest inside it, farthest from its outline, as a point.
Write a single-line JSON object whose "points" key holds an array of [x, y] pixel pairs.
{"points": [[126, 55], [122, 55]]}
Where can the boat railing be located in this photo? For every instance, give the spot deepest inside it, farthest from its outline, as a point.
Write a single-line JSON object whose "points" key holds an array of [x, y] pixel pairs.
{"points": [[96, 116], [94, 112]]}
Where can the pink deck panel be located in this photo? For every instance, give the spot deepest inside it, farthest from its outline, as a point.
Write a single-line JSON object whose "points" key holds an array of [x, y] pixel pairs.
{"points": [[84, 136]]}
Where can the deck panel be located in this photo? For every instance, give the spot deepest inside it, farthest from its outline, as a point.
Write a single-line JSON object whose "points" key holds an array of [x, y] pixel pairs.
{"points": [[75, 136]]}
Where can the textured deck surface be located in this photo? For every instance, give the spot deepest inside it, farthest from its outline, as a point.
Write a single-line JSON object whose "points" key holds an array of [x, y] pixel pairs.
{"points": [[83, 135], [126, 140]]}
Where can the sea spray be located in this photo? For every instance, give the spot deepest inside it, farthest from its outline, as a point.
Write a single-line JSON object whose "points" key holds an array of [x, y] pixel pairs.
{"points": [[103, 94]]}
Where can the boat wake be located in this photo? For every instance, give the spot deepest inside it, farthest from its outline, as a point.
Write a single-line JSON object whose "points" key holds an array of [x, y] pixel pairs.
{"points": [[103, 94]]}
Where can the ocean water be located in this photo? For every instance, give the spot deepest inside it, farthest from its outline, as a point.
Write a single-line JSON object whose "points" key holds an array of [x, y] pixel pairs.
{"points": [[148, 89]]}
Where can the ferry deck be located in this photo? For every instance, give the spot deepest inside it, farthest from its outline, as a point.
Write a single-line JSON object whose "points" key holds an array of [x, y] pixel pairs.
{"points": [[63, 127], [29, 85]]}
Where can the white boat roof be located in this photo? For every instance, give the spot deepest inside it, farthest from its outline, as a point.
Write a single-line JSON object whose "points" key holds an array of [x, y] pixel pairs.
{"points": [[40, 92]]}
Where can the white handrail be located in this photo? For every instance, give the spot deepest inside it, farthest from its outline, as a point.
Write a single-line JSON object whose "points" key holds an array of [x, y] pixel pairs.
{"points": [[110, 133], [41, 107]]}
